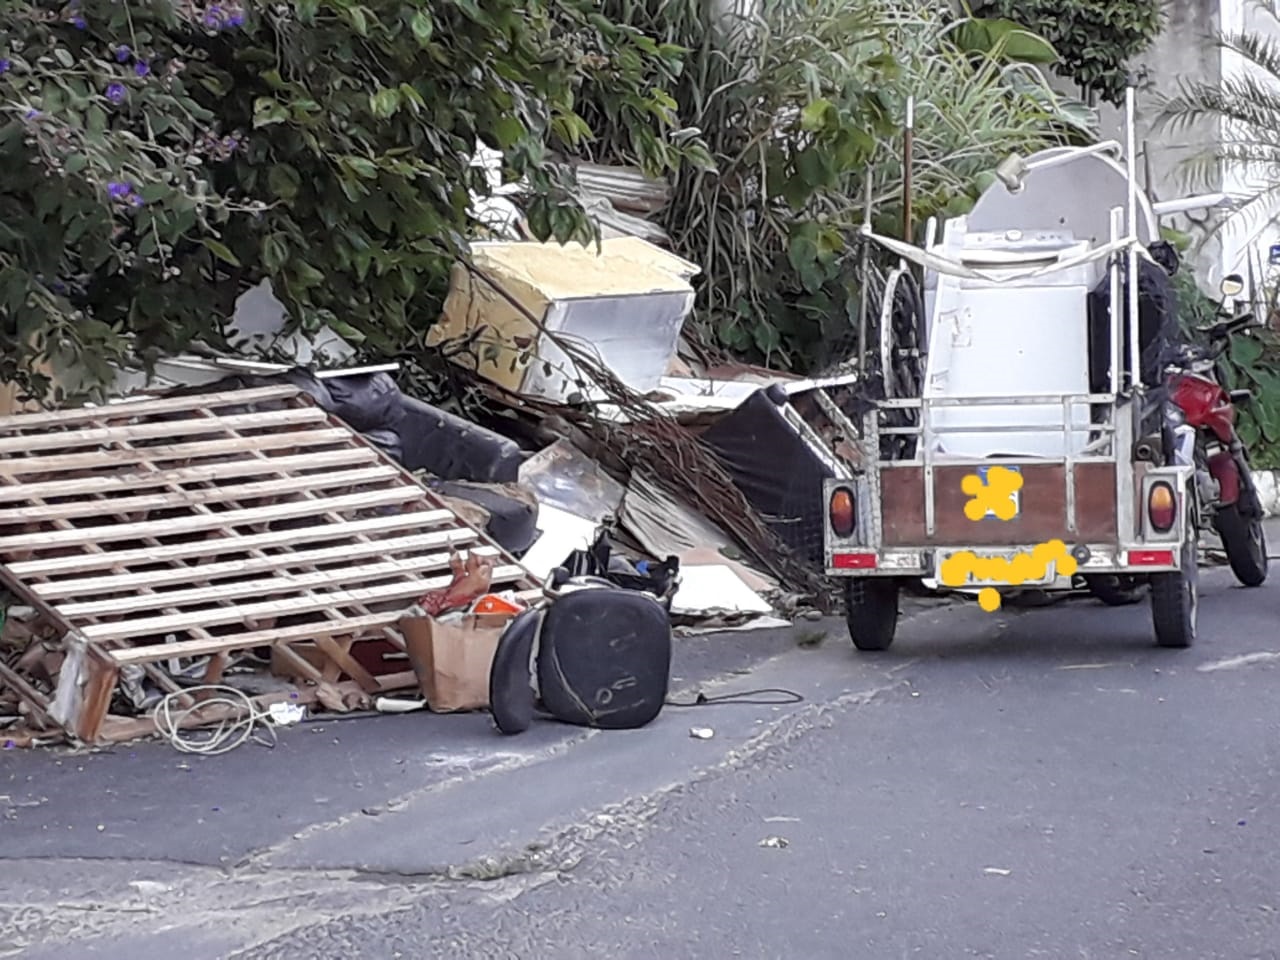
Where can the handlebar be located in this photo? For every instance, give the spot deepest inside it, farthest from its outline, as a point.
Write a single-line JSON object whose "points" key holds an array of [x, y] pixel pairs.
{"points": [[1225, 328]]}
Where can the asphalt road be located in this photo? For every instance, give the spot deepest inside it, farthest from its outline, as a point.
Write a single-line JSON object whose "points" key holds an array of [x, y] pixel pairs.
{"points": [[1030, 783]]}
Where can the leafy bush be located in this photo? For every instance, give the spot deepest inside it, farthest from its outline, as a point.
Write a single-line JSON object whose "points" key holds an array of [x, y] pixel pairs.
{"points": [[1097, 39], [800, 108], [162, 156], [1252, 362]]}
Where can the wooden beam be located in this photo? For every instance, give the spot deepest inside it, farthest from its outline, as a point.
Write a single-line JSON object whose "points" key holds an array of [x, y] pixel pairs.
{"points": [[137, 408], [96, 460], [176, 501], [185, 427], [389, 593], [117, 583], [411, 520], [356, 626], [265, 586], [212, 521], [141, 479]]}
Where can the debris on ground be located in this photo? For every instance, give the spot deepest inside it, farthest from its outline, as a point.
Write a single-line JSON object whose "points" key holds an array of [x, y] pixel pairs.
{"points": [[319, 541], [171, 543]]}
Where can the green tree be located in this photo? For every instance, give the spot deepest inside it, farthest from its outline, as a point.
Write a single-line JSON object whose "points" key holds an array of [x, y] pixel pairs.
{"points": [[800, 106], [1096, 39], [166, 154]]}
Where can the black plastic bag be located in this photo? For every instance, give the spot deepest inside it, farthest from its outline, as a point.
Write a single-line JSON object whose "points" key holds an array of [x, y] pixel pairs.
{"points": [[598, 562]]}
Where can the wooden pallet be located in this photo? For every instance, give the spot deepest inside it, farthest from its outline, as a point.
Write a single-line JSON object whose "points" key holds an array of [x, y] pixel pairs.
{"points": [[202, 525]]}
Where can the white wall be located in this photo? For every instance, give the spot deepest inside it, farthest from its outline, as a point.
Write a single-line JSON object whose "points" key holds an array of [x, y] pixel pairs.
{"points": [[1247, 238]]}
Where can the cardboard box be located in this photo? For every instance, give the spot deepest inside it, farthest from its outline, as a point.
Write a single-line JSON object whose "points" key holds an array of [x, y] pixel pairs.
{"points": [[452, 660]]}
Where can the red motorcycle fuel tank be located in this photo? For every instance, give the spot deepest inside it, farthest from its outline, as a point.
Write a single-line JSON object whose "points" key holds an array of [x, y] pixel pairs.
{"points": [[1205, 405]]}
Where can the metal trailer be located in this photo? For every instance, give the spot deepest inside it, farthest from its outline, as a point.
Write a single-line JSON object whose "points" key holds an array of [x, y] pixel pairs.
{"points": [[1005, 383]]}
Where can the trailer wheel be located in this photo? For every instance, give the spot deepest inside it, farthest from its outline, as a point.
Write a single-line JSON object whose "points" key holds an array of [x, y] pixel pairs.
{"points": [[871, 611], [1245, 543], [1175, 597]]}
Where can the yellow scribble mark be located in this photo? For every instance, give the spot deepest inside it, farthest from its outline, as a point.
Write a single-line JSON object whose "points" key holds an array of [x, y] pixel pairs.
{"points": [[1015, 570], [993, 496]]}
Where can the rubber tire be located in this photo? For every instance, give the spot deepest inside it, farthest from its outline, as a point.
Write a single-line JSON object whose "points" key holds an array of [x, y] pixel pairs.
{"points": [[871, 611], [1109, 590], [1245, 542], [1175, 597]]}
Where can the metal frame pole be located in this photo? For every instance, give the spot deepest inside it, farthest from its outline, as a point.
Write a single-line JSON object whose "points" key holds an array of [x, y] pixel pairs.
{"points": [[1135, 358]]}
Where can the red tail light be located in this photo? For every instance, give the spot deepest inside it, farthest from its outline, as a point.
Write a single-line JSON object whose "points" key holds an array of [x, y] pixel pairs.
{"points": [[841, 512], [1162, 507]]}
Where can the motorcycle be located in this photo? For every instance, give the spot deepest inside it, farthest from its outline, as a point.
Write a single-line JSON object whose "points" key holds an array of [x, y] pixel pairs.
{"points": [[1200, 416]]}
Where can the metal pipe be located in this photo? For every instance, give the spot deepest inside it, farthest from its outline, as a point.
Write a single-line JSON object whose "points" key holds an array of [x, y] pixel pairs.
{"points": [[1113, 319], [1070, 153], [862, 284], [908, 143], [1204, 201], [1135, 359]]}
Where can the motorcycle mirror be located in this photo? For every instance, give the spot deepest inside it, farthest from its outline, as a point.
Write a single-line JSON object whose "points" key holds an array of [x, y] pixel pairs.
{"points": [[1232, 285]]}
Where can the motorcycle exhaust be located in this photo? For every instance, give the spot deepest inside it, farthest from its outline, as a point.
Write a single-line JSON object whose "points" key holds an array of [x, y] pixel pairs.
{"points": [[1147, 450]]}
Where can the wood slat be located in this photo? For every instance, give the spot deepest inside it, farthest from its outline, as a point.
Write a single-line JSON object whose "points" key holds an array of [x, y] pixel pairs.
{"points": [[172, 501], [186, 427], [388, 593], [265, 586], [218, 481], [116, 583], [106, 483], [137, 408], [359, 626], [22, 466], [198, 523], [211, 548]]}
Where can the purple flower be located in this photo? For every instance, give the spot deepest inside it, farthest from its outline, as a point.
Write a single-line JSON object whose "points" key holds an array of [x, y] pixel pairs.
{"points": [[122, 53], [4, 65], [116, 93], [78, 22], [134, 200], [31, 114], [142, 68], [236, 20], [117, 190]]}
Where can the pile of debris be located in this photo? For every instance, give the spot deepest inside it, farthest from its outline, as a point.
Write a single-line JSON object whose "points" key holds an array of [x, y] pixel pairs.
{"points": [[268, 531]]}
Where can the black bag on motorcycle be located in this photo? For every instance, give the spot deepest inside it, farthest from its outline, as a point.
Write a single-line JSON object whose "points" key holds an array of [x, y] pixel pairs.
{"points": [[1158, 329]]}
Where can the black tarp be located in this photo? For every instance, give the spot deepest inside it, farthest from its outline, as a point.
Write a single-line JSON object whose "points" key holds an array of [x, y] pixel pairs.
{"points": [[1158, 329], [778, 472]]}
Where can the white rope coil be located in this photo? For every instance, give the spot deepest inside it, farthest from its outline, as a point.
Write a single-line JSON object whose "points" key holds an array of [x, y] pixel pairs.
{"points": [[230, 732]]}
